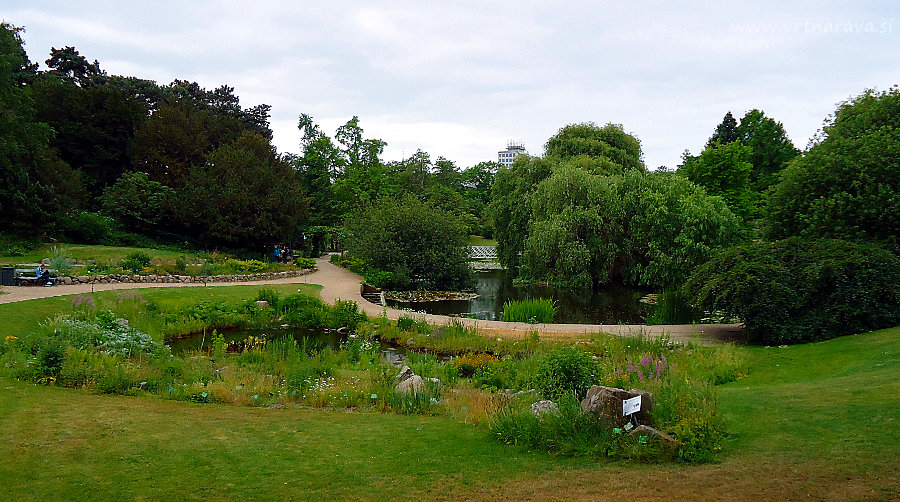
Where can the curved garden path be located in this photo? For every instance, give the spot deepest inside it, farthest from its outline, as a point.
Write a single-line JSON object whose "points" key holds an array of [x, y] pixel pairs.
{"points": [[338, 283]]}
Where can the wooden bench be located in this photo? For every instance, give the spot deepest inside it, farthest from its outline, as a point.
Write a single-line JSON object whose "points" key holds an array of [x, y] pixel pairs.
{"points": [[26, 277]]}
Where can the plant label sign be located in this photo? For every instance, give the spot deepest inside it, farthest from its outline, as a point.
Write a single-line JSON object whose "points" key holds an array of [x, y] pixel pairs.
{"points": [[630, 406]]}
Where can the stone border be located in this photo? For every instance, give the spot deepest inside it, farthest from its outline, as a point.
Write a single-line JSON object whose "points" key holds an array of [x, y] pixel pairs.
{"points": [[179, 279]]}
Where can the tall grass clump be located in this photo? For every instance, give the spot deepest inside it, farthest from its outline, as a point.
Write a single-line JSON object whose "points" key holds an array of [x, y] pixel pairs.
{"points": [[673, 307], [534, 311]]}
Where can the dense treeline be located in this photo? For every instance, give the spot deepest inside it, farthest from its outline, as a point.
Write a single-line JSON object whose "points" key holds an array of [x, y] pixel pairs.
{"points": [[94, 157]]}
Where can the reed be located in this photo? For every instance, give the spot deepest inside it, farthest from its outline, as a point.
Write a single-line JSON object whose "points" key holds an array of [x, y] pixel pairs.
{"points": [[534, 311]]}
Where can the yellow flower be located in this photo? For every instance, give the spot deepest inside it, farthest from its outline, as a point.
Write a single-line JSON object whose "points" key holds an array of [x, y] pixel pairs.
{"points": [[10, 339]]}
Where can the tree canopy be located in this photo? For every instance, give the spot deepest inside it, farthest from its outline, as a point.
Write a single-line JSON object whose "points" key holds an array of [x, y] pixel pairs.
{"points": [[847, 186], [416, 244]]}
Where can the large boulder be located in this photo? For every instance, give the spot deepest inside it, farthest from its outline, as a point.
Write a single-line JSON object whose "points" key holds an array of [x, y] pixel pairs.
{"points": [[606, 404], [407, 381]]}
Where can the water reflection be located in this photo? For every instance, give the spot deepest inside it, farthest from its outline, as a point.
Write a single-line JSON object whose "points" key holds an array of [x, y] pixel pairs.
{"points": [[610, 305], [315, 339]]}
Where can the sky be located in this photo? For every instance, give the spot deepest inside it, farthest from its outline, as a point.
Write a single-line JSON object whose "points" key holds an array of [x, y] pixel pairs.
{"points": [[461, 79]]}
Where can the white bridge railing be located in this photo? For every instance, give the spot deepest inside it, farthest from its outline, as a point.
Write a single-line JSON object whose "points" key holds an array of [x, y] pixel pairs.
{"points": [[483, 253]]}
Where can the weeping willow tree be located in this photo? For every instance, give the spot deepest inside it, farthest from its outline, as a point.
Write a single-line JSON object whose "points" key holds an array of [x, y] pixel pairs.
{"points": [[588, 213]]}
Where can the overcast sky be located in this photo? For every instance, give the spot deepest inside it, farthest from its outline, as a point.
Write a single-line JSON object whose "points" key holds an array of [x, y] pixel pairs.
{"points": [[460, 79]]}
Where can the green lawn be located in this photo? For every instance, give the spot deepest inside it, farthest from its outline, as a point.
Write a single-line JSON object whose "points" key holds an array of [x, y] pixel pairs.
{"points": [[477, 240], [22, 315], [810, 422], [84, 252]]}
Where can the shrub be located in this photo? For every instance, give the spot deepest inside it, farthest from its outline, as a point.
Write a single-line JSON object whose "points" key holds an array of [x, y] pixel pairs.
{"points": [[566, 371], [305, 262], [797, 290], [86, 227], [568, 431], [269, 295], [539, 310], [59, 260], [136, 261], [471, 363], [420, 244], [344, 314]]}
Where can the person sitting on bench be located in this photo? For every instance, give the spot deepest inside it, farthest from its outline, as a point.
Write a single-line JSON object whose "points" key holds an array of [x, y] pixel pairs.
{"points": [[43, 276]]}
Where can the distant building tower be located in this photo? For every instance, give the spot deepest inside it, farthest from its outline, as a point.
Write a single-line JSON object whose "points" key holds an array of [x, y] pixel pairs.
{"points": [[513, 150]]}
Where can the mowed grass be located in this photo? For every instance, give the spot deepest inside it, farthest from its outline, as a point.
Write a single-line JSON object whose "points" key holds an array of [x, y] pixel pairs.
{"points": [[810, 422], [18, 316], [84, 252], [477, 240]]}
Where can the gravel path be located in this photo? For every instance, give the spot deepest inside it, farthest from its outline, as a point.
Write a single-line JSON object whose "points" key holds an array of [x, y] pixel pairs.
{"points": [[338, 283]]}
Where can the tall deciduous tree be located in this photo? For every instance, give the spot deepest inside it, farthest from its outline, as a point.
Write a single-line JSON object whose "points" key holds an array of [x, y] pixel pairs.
{"points": [[847, 186], [646, 229], [418, 244], [771, 148], [724, 170], [610, 147]]}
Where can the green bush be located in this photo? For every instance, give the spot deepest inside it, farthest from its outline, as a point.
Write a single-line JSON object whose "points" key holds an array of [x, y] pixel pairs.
{"points": [[423, 246], [305, 262], [344, 314], [136, 261], [538, 310], [796, 290], [86, 227], [566, 371]]}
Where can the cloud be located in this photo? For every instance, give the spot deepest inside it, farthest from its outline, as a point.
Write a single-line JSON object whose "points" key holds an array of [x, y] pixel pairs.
{"points": [[460, 79]]}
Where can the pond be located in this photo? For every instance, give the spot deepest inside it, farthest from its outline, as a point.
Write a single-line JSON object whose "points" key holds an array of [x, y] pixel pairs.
{"points": [[610, 305], [314, 339]]}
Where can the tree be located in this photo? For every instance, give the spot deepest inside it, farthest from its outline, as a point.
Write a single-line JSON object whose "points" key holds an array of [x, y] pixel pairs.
{"points": [[509, 205], [771, 148], [647, 229], [724, 170], [417, 244], [798, 290], [72, 68], [94, 125], [244, 195], [610, 147], [24, 141], [139, 203], [847, 186], [363, 178], [726, 131]]}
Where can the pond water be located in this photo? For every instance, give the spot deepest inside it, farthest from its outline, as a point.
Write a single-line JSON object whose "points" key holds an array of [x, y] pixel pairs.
{"points": [[315, 338], [609, 305]]}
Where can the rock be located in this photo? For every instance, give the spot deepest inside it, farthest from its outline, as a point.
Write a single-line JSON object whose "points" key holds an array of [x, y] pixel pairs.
{"points": [[606, 404], [544, 406], [84, 279], [645, 430], [405, 374], [262, 304], [414, 383]]}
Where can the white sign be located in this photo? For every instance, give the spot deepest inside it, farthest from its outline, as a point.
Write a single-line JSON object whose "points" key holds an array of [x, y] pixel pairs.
{"points": [[630, 406]]}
